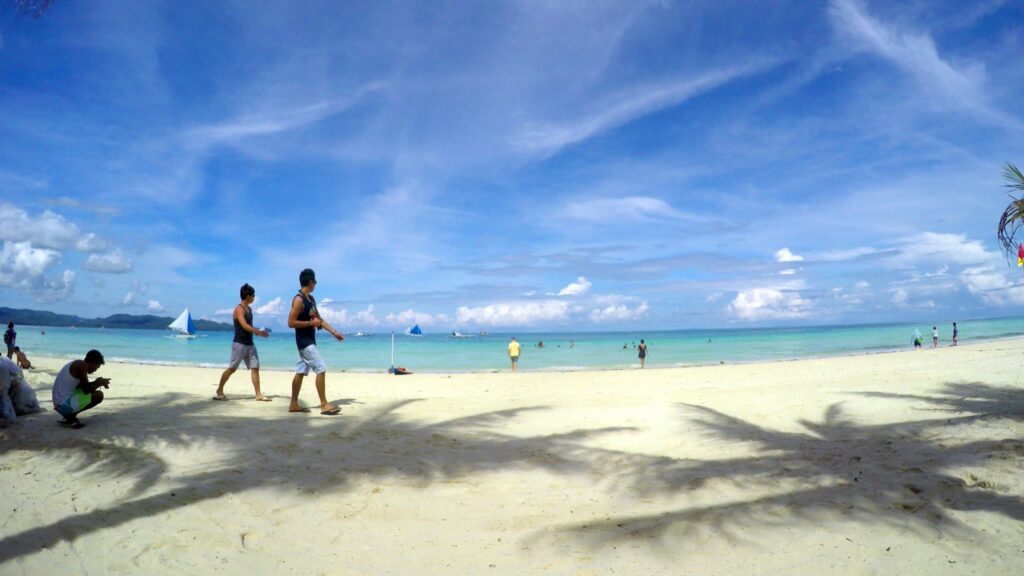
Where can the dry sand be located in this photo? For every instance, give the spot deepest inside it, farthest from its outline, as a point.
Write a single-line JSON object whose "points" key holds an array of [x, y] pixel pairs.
{"points": [[899, 463]]}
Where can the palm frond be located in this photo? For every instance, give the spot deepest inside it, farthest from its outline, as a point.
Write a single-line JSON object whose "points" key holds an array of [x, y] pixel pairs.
{"points": [[1013, 217]]}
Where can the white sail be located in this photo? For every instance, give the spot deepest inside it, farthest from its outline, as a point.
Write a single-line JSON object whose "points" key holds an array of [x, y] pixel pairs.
{"points": [[183, 323]]}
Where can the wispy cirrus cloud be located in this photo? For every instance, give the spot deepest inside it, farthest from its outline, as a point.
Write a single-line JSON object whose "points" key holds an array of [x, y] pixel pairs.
{"points": [[547, 139]]}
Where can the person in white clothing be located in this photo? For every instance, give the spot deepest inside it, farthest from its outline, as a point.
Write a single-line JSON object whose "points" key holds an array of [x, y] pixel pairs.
{"points": [[73, 393]]}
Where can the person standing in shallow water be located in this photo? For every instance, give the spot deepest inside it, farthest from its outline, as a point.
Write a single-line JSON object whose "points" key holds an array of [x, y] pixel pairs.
{"points": [[513, 353], [303, 317], [955, 333], [242, 347], [643, 352]]}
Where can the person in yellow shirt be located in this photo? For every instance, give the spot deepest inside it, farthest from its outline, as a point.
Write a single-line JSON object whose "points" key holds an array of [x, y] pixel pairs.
{"points": [[513, 353]]}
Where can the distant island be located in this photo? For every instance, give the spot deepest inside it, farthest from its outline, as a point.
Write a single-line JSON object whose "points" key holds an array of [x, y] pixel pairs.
{"points": [[146, 322]]}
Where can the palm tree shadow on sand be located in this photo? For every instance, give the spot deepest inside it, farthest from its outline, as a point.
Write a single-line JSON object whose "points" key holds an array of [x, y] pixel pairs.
{"points": [[123, 443], [834, 470]]}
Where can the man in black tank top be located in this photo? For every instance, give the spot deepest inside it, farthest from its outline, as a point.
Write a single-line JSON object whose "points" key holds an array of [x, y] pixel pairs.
{"points": [[303, 317], [242, 348]]}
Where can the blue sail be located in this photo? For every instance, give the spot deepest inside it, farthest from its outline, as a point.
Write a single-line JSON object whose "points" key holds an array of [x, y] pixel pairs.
{"points": [[414, 331]]}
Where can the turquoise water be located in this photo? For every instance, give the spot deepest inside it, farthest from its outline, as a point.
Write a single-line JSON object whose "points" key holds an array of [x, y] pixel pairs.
{"points": [[561, 351]]}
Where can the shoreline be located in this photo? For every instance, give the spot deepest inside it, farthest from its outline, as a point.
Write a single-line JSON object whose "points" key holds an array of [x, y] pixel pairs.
{"points": [[569, 369]]}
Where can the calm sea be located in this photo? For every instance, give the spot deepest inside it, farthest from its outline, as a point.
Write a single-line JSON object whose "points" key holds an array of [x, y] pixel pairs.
{"points": [[561, 351]]}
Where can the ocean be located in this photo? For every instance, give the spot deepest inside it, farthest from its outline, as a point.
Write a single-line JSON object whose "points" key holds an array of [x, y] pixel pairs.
{"points": [[485, 353]]}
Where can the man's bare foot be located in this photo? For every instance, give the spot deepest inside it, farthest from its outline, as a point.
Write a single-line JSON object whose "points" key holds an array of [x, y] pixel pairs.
{"points": [[262, 398], [329, 409], [297, 408]]}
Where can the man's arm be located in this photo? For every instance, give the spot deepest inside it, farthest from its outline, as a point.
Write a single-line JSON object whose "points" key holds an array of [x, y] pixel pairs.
{"points": [[338, 335], [79, 371]]}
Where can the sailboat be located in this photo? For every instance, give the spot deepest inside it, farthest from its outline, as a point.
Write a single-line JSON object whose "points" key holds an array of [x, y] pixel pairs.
{"points": [[183, 325], [414, 331]]}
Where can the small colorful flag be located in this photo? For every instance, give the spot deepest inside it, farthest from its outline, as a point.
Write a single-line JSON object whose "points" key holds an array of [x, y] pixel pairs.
{"points": [[1020, 255]]}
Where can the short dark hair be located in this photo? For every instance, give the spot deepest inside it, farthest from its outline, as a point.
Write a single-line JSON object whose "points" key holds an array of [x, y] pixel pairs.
{"points": [[18, 348], [10, 324], [307, 276], [94, 357], [245, 291]]}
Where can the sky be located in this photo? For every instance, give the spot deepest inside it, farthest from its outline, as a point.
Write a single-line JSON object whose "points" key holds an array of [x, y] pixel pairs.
{"points": [[527, 165]]}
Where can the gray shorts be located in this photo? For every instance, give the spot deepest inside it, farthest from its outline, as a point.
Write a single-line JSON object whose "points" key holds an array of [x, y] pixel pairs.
{"points": [[310, 359], [244, 353]]}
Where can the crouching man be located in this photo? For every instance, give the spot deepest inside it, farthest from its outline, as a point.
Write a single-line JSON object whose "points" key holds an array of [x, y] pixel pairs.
{"points": [[73, 393]]}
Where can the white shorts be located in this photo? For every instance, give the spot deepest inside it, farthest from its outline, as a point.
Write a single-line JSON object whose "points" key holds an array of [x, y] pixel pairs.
{"points": [[310, 359], [244, 353]]}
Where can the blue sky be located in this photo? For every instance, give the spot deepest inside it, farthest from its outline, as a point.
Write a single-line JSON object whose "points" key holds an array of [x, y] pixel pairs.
{"points": [[520, 165]]}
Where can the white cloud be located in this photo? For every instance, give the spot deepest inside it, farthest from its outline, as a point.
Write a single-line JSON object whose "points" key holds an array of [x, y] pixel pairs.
{"points": [[862, 285], [514, 313], [916, 54], [91, 243], [842, 255], [225, 312], [129, 298], [642, 208], [47, 230], [577, 288], [273, 308], [23, 267], [548, 139], [113, 263], [788, 272], [769, 304], [409, 317], [363, 318], [784, 255], [154, 306], [899, 297], [714, 297], [615, 312]]}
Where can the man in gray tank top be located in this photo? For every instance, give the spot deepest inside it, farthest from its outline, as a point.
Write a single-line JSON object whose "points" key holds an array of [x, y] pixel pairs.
{"points": [[242, 348], [303, 317]]}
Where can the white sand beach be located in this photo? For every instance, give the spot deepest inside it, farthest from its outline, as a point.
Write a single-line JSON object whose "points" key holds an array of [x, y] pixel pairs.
{"points": [[898, 463]]}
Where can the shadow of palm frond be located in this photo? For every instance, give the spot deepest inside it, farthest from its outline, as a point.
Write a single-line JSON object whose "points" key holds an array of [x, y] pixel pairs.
{"points": [[975, 398], [308, 454], [897, 474]]}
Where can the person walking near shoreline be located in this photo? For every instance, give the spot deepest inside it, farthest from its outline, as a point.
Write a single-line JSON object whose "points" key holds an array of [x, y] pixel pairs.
{"points": [[305, 319], [955, 333], [242, 347], [643, 352], [935, 337]]}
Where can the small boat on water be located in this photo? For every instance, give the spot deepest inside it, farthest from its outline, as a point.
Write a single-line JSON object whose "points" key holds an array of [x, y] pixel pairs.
{"points": [[364, 334], [457, 334], [414, 331], [183, 325]]}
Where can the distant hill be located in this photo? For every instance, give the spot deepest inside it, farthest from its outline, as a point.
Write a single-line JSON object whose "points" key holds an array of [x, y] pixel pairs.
{"points": [[147, 322]]}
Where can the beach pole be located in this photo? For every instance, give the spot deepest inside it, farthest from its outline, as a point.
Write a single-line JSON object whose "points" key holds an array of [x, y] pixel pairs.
{"points": [[392, 352]]}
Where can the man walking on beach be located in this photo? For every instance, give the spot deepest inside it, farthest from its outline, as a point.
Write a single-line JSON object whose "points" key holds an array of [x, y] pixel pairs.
{"points": [[955, 333], [513, 353], [242, 347], [303, 317], [73, 393]]}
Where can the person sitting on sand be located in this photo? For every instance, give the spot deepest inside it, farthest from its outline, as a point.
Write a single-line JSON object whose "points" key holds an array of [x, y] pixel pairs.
{"points": [[242, 347], [23, 362], [303, 317], [73, 393]]}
